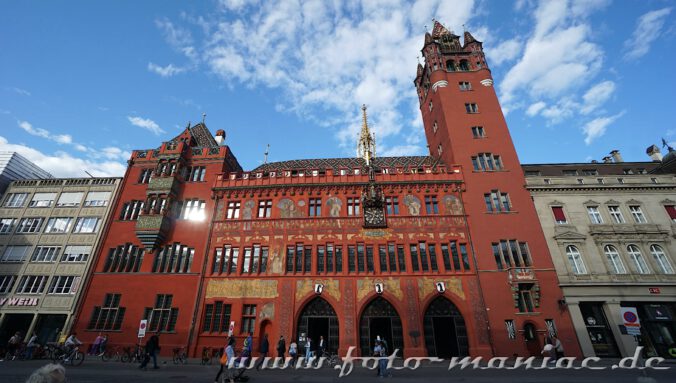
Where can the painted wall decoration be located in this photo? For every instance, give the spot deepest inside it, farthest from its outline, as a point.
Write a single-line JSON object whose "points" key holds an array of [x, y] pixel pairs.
{"points": [[247, 211], [334, 204], [268, 311], [412, 204], [452, 205], [242, 288], [288, 209]]}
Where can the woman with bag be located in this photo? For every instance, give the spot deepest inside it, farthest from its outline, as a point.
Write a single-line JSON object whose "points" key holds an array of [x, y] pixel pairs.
{"points": [[226, 359]]}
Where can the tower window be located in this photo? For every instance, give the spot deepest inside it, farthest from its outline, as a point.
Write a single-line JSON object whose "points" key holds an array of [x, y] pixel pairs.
{"points": [[435, 127], [464, 86], [471, 108], [431, 106], [486, 162], [439, 149], [497, 202], [450, 66], [464, 65], [478, 132]]}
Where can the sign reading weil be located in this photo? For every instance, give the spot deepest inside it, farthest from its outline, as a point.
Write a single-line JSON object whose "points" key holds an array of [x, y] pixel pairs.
{"points": [[19, 301]]}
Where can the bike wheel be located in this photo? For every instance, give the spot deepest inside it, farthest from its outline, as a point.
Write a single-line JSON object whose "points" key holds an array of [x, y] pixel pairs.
{"points": [[105, 357], [77, 358], [184, 359], [176, 359], [125, 358]]}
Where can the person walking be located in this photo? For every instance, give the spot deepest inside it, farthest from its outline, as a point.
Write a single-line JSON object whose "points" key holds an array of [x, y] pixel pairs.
{"points": [[281, 347], [321, 346], [308, 350], [377, 349], [30, 347], [152, 348], [293, 353], [558, 347], [382, 363], [549, 351], [264, 349], [226, 360], [103, 345], [13, 345], [97, 343]]}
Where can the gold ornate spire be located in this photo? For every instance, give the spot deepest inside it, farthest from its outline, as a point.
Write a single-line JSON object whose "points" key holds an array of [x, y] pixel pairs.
{"points": [[366, 147]]}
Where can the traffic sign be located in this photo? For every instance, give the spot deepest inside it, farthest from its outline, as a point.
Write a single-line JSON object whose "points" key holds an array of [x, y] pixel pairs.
{"points": [[630, 320], [142, 328], [231, 330]]}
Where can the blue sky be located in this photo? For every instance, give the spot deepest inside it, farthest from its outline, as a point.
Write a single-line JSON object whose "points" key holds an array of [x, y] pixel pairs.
{"points": [[84, 83]]}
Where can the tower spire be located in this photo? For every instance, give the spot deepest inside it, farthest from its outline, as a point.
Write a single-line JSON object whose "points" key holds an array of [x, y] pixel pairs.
{"points": [[366, 147]]}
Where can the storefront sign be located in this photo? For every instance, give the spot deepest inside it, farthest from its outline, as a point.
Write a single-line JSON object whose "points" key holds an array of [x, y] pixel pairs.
{"points": [[19, 301], [631, 321], [654, 290]]}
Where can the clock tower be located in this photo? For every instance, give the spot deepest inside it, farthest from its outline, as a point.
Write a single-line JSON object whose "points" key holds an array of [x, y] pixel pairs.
{"points": [[372, 196]]}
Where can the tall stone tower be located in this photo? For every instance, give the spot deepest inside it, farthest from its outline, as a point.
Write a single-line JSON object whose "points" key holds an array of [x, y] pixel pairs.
{"points": [[464, 125]]}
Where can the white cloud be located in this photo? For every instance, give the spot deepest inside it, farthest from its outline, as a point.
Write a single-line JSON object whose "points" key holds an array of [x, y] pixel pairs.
{"points": [[597, 127], [648, 29], [178, 38], [165, 71], [59, 138], [597, 95], [20, 91], [534, 109], [147, 124], [61, 164], [506, 51]]}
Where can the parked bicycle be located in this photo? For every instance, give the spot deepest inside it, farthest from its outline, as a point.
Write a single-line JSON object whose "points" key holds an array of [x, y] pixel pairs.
{"points": [[110, 353], [132, 354], [180, 356], [208, 355], [331, 359]]}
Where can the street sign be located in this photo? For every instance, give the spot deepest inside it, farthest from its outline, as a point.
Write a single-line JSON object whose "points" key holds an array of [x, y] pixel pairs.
{"points": [[630, 320], [231, 329], [142, 328]]}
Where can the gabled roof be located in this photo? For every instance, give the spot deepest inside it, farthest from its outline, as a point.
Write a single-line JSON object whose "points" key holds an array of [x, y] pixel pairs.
{"points": [[200, 134], [347, 163]]}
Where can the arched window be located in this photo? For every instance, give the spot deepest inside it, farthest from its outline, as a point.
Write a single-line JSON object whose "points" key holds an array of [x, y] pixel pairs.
{"points": [[575, 259], [450, 66], [637, 257], [614, 260], [464, 65], [661, 259]]}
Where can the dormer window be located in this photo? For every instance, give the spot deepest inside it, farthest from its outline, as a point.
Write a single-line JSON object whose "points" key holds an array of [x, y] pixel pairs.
{"points": [[464, 65], [450, 66]]}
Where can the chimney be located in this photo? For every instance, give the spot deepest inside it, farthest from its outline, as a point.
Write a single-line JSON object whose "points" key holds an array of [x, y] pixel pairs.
{"points": [[220, 137], [616, 156], [654, 152], [607, 160]]}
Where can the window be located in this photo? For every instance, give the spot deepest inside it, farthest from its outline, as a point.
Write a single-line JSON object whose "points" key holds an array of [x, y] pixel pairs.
{"points": [[216, 317], [264, 208], [471, 108], [590, 172], [351, 258], [464, 65], [627, 171], [360, 258], [248, 319], [174, 258], [369, 259], [15, 200], [478, 132], [297, 258], [62, 284], [671, 211], [145, 176], [392, 204], [131, 210], [76, 253], [15, 253], [95, 199], [58, 225], [7, 225], [450, 66], [637, 258], [123, 259], [661, 259], [620, 180], [614, 260], [32, 284], [431, 106], [42, 200], [225, 260], [570, 173], [233, 210], [559, 215], [600, 181], [431, 204], [86, 225], [510, 252], [615, 214], [193, 210], [637, 213], [109, 316], [511, 329], [315, 207], [246, 264], [45, 253], [69, 199], [525, 297], [497, 202], [415, 262], [7, 283], [594, 214], [29, 225], [486, 162], [439, 149], [162, 317], [196, 173], [353, 205], [464, 86], [575, 260], [435, 127]]}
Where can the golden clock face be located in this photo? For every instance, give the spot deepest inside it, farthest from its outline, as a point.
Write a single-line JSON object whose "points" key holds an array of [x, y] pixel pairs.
{"points": [[374, 216]]}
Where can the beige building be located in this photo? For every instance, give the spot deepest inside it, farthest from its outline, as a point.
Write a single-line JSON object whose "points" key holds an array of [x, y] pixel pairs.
{"points": [[49, 233], [610, 228]]}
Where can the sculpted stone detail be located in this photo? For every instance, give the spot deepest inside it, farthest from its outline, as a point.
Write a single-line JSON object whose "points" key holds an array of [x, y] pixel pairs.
{"points": [[307, 286], [412, 204], [239, 288], [426, 286]]}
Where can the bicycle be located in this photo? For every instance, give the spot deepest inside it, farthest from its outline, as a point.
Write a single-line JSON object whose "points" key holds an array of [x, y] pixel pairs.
{"points": [[132, 356], [208, 355], [110, 353], [330, 358], [180, 356], [62, 356]]}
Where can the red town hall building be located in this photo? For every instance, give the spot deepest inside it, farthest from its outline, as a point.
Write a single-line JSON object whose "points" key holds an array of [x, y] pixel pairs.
{"points": [[439, 255]]}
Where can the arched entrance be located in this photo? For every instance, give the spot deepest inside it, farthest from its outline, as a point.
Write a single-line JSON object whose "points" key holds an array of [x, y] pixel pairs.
{"points": [[380, 318], [318, 319], [532, 342], [445, 331]]}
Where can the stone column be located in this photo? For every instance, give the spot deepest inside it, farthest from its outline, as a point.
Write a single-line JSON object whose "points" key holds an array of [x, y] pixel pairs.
{"points": [[581, 329], [625, 343], [31, 328]]}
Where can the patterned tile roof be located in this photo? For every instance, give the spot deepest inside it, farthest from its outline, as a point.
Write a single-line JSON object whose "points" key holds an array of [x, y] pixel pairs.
{"points": [[348, 163]]}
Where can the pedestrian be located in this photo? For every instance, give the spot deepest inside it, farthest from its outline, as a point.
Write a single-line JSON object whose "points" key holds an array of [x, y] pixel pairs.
{"points": [[30, 347], [556, 342], [264, 349], [96, 345], [293, 353], [103, 344], [49, 373], [321, 346], [281, 347], [13, 345], [376, 353], [308, 350], [382, 363], [152, 348], [226, 360], [549, 351]]}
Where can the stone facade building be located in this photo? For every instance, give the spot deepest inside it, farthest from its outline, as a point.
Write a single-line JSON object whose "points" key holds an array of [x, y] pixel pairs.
{"points": [[610, 228], [50, 231]]}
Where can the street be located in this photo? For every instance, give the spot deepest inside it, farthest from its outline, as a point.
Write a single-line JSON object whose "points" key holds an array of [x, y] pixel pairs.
{"points": [[97, 371]]}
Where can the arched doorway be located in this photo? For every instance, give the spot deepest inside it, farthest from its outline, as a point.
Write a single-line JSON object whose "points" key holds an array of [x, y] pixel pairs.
{"points": [[530, 334], [445, 331], [317, 319], [380, 318]]}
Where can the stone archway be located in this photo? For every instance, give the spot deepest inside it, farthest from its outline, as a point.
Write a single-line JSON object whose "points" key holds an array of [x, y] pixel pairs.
{"points": [[318, 318], [445, 330], [380, 319]]}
